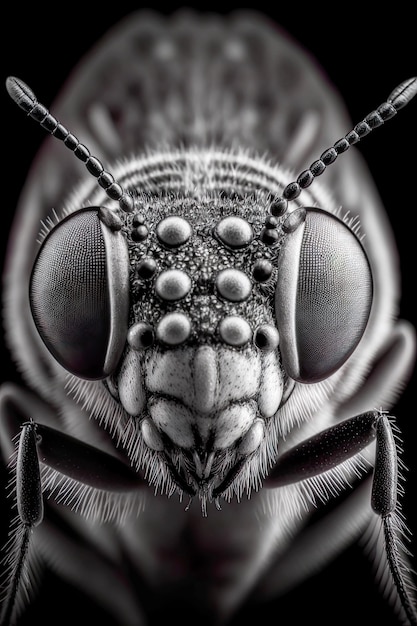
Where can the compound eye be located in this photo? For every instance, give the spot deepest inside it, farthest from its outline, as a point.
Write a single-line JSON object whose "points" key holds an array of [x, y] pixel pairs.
{"points": [[79, 294], [323, 297]]}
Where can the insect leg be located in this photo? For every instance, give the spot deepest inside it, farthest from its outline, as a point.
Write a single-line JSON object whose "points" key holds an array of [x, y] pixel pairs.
{"points": [[338, 443], [30, 508], [69, 456], [384, 503], [85, 463], [77, 551], [325, 450]]}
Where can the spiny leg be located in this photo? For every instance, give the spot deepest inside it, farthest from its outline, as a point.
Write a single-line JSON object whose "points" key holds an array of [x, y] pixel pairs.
{"points": [[384, 503], [72, 458], [337, 444], [30, 509]]}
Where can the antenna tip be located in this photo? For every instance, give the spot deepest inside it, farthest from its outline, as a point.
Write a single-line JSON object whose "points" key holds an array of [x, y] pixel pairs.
{"points": [[403, 93], [20, 93]]}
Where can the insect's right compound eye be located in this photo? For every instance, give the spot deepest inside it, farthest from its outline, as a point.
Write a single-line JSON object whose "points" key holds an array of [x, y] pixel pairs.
{"points": [[323, 297], [79, 294]]}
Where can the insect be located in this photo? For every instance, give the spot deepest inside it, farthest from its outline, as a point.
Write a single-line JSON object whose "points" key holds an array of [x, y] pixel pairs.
{"points": [[195, 382]]}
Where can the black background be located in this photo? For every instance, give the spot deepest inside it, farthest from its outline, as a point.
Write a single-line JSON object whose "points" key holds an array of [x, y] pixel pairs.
{"points": [[365, 54]]}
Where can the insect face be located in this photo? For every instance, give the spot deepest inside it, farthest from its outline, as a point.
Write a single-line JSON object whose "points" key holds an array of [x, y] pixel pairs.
{"points": [[179, 306]]}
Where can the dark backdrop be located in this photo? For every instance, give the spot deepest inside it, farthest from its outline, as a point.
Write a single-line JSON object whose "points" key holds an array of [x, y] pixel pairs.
{"points": [[361, 52]]}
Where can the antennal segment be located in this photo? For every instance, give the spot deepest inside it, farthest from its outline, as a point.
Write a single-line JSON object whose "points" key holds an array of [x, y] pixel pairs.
{"points": [[395, 101], [26, 100]]}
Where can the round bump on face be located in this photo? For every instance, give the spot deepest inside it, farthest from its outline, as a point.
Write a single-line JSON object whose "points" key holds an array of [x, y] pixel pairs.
{"points": [[173, 329], [235, 331], [173, 231], [138, 220], [266, 337], [269, 236], [234, 232], [233, 285], [271, 222], [140, 336], [146, 268], [172, 285], [262, 270], [139, 233]]}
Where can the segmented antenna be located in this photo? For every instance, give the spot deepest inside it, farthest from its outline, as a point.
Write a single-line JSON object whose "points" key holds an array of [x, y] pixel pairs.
{"points": [[26, 100], [395, 101]]}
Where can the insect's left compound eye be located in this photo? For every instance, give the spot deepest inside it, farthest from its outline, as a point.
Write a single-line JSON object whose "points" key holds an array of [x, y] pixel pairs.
{"points": [[323, 297], [79, 294]]}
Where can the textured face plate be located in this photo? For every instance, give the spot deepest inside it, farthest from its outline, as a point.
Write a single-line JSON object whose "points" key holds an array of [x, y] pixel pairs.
{"points": [[201, 277]]}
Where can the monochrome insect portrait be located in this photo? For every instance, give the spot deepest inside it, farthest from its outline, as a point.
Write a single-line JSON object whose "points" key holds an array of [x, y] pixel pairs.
{"points": [[201, 300]]}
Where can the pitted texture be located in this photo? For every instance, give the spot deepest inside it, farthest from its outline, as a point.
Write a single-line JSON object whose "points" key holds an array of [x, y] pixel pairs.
{"points": [[202, 279]]}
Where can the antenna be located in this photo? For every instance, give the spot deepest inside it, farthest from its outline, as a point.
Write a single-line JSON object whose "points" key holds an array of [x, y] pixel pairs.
{"points": [[397, 99], [26, 100]]}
